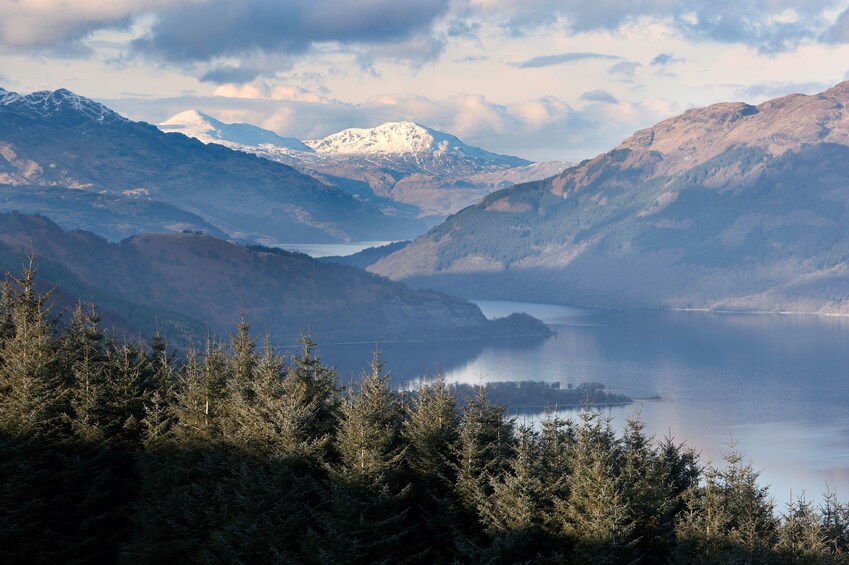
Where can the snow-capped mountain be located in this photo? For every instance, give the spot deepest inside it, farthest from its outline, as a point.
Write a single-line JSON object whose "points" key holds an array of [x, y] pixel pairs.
{"points": [[47, 103], [194, 123], [403, 167], [405, 139], [77, 161]]}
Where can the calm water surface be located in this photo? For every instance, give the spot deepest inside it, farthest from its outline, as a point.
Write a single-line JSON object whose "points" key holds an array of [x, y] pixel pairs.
{"points": [[328, 249], [777, 385]]}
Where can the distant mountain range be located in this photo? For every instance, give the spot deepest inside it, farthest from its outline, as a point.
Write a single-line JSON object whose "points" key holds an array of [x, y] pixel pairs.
{"points": [[79, 162], [731, 206], [188, 284], [403, 167]]}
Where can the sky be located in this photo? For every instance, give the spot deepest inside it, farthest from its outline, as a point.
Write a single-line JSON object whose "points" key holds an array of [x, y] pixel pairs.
{"points": [[541, 79]]}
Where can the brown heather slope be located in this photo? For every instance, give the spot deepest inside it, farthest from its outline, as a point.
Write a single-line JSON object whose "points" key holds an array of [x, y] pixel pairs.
{"points": [[729, 206]]}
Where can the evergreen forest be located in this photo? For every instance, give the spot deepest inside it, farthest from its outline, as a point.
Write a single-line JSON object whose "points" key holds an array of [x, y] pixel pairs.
{"points": [[113, 450]]}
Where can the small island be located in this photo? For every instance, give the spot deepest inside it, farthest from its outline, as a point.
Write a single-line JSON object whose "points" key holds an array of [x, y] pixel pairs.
{"points": [[527, 397]]}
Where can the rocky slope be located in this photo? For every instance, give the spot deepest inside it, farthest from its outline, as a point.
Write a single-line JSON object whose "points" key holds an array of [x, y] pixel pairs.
{"points": [[59, 139], [731, 206], [188, 282], [404, 168]]}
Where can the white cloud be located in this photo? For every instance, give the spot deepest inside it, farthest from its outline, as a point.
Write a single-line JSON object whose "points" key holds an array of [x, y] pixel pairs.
{"points": [[543, 129]]}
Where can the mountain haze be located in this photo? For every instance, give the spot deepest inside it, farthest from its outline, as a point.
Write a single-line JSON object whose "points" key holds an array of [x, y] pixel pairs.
{"points": [[732, 206]]}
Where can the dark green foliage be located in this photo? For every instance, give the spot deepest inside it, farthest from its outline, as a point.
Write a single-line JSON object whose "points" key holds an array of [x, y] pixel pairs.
{"points": [[114, 451], [729, 518]]}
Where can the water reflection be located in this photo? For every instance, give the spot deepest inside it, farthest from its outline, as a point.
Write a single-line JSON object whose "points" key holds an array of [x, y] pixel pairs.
{"points": [[778, 385], [327, 249]]}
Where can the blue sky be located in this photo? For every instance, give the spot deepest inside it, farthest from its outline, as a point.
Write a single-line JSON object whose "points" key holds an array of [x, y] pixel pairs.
{"points": [[542, 79]]}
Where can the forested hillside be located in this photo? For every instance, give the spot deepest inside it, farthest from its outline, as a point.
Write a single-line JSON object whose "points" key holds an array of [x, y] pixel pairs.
{"points": [[189, 283], [227, 452]]}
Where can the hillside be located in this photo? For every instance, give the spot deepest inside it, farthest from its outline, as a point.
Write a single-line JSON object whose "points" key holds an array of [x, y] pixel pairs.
{"points": [[59, 139], [190, 280], [404, 168], [731, 206]]}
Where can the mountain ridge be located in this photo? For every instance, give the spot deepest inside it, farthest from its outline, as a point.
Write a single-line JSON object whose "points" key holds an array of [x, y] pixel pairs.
{"points": [[195, 279], [59, 139], [404, 168], [731, 206]]}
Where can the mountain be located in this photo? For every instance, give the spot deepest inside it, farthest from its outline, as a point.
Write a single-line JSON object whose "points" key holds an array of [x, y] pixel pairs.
{"points": [[62, 140], [367, 256], [194, 123], [404, 168], [407, 144], [732, 206], [182, 282]]}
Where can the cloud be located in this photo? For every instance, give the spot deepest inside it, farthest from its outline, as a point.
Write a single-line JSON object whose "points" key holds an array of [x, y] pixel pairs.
{"points": [[599, 96], [625, 71], [839, 32], [221, 28], [229, 74], [543, 129], [767, 25], [261, 90], [665, 59], [57, 27], [766, 91], [559, 59], [214, 37]]}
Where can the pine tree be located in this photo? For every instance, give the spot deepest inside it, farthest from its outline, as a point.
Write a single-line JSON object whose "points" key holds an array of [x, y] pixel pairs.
{"points": [[483, 449], [515, 513], [36, 394], [835, 525], [596, 515], [191, 402], [316, 386], [82, 345], [801, 537], [649, 492], [127, 392], [430, 431], [243, 359], [366, 520], [281, 415], [729, 518], [159, 416]]}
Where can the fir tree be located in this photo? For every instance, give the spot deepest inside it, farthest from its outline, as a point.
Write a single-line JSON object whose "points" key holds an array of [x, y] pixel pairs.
{"points": [[366, 521], [596, 515], [430, 430], [35, 392], [483, 448], [729, 518], [316, 386]]}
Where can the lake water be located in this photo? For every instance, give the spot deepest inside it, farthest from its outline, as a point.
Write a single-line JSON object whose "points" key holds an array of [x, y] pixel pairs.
{"points": [[327, 249], [777, 385]]}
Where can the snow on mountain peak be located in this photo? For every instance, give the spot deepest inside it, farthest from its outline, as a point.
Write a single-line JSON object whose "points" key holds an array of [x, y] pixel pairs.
{"points": [[46, 103], [7, 96], [391, 137], [193, 123], [207, 129]]}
